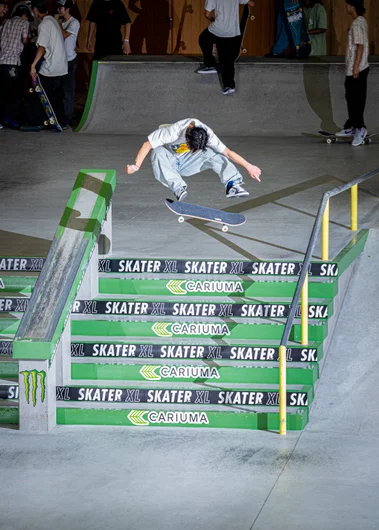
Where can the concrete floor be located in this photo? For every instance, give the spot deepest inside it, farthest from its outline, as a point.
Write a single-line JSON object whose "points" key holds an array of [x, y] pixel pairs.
{"points": [[323, 478]]}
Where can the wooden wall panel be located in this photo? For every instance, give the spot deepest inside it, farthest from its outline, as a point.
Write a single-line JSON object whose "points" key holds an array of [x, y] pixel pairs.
{"points": [[188, 21]]}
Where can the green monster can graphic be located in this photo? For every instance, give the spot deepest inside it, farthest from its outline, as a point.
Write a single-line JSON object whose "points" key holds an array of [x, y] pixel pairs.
{"points": [[31, 385]]}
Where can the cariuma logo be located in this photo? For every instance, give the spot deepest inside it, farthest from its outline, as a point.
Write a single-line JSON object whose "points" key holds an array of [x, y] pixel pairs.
{"points": [[31, 385]]}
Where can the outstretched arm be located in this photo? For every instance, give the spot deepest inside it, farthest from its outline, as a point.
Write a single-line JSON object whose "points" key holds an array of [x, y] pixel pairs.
{"points": [[141, 155], [253, 171]]}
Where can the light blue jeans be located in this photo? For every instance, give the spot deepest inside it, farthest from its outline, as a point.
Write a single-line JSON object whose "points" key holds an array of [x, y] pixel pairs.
{"points": [[169, 168]]}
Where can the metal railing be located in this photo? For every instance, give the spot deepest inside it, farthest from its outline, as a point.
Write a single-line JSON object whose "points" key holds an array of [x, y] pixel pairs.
{"points": [[322, 221]]}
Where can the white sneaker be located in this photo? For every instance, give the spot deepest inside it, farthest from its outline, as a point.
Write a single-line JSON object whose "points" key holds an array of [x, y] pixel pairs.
{"points": [[235, 190], [1, 127], [181, 194], [228, 90], [206, 70], [359, 136], [345, 133]]}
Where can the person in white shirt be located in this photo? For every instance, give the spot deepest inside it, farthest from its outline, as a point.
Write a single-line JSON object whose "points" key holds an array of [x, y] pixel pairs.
{"points": [[357, 70], [186, 148], [52, 50], [224, 32], [70, 27]]}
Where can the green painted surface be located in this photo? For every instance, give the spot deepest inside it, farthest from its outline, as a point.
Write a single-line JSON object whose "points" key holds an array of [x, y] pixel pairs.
{"points": [[174, 373], [91, 91], [18, 284], [265, 289], [352, 250], [267, 421], [8, 369], [113, 328], [23, 347], [9, 415], [8, 326]]}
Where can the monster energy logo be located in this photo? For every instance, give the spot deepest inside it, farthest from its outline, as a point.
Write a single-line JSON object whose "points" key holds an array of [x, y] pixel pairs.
{"points": [[31, 385]]}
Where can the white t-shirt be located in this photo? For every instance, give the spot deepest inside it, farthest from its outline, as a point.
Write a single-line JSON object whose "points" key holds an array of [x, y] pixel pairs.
{"points": [[358, 34], [51, 38], [72, 25], [174, 137], [227, 23]]}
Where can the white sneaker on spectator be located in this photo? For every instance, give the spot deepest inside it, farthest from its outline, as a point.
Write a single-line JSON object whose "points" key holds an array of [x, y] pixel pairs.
{"points": [[206, 70], [345, 133], [359, 136]]}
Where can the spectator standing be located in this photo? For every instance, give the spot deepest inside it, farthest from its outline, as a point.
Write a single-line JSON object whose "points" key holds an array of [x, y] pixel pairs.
{"points": [[223, 31], [14, 35], [70, 28], [317, 23], [112, 24], [357, 70], [52, 50], [3, 11]]}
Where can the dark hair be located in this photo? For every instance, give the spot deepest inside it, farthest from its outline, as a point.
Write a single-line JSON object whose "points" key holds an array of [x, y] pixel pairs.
{"points": [[41, 5], [23, 10], [359, 6], [197, 138]]}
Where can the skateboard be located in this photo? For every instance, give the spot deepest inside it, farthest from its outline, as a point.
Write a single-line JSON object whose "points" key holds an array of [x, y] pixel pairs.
{"points": [[297, 28], [194, 211], [180, 44], [331, 138], [51, 117], [245, 17]]}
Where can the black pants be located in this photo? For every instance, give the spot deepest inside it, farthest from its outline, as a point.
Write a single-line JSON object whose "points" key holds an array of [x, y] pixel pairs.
{"points": [[356, 94], [53, 87], [69, 91], [228, 49], [11, 91]]}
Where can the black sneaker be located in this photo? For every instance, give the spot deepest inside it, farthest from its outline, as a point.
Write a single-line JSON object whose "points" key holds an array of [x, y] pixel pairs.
{"points": [[181, 194], [235, 190], [206, 70], [228, 90]]}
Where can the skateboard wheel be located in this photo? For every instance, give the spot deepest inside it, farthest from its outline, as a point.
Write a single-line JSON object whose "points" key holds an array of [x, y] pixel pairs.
{"points": [[181, 219], [334, 140], [252, 17], [46, 123], [244, 50], [329, 140], [37, 89], [225, 228], [31, 90], [367, 141]]}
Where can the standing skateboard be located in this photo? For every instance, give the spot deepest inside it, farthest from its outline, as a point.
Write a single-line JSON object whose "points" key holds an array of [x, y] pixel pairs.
{"points": [[298, 28], [185, 209], [331, 138], [245, 17], [51, 117]]}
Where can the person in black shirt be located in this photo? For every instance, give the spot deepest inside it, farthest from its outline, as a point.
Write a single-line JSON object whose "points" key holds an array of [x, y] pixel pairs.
{"points": [[108, 17]]}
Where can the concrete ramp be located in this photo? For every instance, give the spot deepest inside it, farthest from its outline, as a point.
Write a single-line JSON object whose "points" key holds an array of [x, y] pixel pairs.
{"points": [[133, 96]]}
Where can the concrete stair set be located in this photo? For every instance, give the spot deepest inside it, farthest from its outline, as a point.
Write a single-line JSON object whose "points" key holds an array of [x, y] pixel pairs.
{"points": [[183, 343]]}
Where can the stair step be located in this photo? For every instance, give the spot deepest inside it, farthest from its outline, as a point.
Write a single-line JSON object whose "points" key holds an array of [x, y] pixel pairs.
{"points": [[213, 267], [114, 329], [297, 419], [125, 308], [212, 288], [305, 375], [209, 396]]}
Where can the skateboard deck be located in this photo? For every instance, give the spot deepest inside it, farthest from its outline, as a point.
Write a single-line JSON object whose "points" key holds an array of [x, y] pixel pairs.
{"points": [[331, 138], [298, 28], [194, 211], [245, 17], [49, 111]]}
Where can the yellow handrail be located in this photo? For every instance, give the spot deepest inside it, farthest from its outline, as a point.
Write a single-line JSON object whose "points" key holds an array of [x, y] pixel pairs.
{"points": [[354, 207]]}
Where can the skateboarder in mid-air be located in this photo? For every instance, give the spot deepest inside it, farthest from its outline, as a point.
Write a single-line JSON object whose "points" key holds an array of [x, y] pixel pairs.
{"points": [[186, 148], [357, 70], [224, 31]]}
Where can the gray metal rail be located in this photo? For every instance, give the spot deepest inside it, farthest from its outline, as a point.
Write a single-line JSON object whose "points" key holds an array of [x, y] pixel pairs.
{"points": [[311, 245]]}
